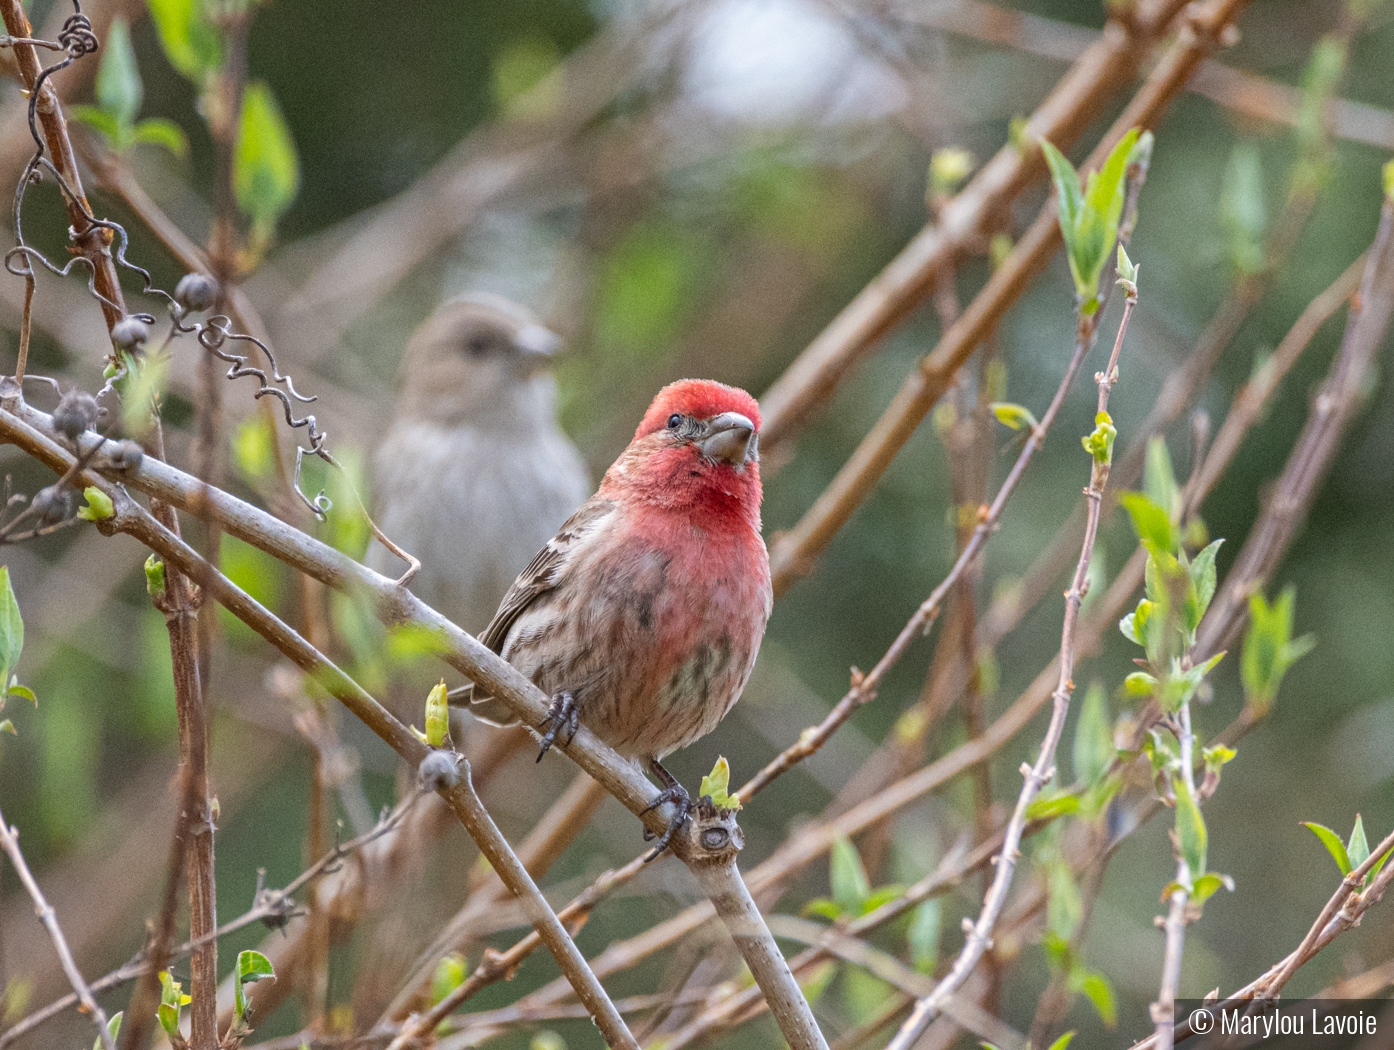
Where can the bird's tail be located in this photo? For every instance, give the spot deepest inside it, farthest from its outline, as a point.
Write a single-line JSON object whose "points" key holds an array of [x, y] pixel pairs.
{"points": [[485, 708]]}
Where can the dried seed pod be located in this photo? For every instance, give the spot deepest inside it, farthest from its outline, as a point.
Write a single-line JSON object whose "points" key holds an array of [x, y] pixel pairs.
{"points": [[51, 504], [129, 334], [126, 455], [438, 770], [76, 412], [196, 292]]}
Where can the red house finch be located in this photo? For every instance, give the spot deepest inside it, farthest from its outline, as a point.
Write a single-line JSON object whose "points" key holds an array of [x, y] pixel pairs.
{"points": [[643, 616], [474, 474]]}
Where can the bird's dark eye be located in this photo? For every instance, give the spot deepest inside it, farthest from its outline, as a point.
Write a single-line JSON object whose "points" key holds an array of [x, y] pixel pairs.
{"points": [[479, 344], [674, 421]]}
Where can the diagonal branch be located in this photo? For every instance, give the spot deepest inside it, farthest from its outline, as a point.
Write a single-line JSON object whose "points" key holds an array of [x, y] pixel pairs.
{"points": [[9, 841], [795, 553]]}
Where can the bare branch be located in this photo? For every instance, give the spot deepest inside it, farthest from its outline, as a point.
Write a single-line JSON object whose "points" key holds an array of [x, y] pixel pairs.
{"points": [[9, 841]]}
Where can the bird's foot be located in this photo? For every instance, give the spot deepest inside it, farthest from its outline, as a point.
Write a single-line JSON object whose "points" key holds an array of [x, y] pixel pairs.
{"points": [[675, 793], [563, 713]]}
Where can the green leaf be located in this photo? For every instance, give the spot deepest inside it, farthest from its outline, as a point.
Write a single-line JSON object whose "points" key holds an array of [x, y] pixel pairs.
{"points": [[1089, 219], [157, 131], [141, 390], [882, 895], [850, 885], [23, 692], [102, 122], [172, 999], [1191, 830], [1093, 750], [1099, 443], [824, 908], [1063, 1042], [1191, 837], [1333, 845], [1059, 804], [1202, 571], [118, 87], [189, 40], [717, 785], [1140, 684], [1014, 416], [254, 448], [923, 935], [113, 1027], [1357, 848], [8, 727], [1243, 208], [1128, 626], [1159, 479], [266, 167], [438, 715], [1151, 522], [1099, 991], [1068, 194], [11, 627], [252, 966], [1209, 884], [98, 507], [1215, 757], [1269, 648], [450, 974]]}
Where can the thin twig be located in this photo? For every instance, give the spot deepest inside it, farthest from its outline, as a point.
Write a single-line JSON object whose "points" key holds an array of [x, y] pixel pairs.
{"points": [[864, 686], [9, 841], [1081, 93], [1163, 1011], [979, 937], [797, 550]]}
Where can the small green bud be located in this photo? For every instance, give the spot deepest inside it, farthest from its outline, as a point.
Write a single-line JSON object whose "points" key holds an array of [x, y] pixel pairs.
{"points": [[1099, 444], [99, 506], [154, 576], [948, 168], [437, 715]]}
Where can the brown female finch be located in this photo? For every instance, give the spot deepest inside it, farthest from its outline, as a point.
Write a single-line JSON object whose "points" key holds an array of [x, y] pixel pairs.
{"points": [[474, 473], [643, 616]]}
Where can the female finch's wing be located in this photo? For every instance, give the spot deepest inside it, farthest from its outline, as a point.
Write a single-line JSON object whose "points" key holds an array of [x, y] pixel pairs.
{"points": [[540, 576]]}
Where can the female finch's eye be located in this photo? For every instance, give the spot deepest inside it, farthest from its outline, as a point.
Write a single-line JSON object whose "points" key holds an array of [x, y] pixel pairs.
{"points": [[674, 421]]}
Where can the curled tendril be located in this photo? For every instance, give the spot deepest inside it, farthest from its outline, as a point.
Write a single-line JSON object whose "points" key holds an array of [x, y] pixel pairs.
{"points": [[77, 36], [321, 505], [77, 39]]}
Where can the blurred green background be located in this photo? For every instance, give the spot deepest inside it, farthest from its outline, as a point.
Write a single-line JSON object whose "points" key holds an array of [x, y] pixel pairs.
{"points": [[749, 168]]}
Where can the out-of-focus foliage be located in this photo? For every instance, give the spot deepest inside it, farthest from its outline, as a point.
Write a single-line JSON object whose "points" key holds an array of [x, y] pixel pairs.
{"points": [[748, 169]]}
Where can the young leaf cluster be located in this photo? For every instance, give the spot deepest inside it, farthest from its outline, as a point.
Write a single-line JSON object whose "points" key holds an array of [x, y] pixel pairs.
{"points": [[119, 93], [1269, 648], [266, 165], [1090, 212], [1350, 854], [1178, 590]]}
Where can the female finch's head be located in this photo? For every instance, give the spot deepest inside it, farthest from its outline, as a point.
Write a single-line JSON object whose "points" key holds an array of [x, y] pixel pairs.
{"points": [[696, 449]]}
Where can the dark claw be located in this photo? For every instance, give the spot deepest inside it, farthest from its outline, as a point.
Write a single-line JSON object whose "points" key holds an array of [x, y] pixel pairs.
{"points": [[676, 794], [563, 712]]}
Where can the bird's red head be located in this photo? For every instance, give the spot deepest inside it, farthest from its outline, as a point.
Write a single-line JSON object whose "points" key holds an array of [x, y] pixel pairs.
{"points": [[696, 451], [697, 399]]}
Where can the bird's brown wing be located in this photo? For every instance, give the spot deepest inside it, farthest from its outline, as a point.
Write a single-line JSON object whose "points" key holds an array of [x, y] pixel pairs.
{"points": [[537, 579]]}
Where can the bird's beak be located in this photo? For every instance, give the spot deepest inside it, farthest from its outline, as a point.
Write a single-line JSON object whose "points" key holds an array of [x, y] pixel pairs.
{"points": [[730, 438], [536, 345]]}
